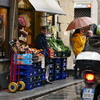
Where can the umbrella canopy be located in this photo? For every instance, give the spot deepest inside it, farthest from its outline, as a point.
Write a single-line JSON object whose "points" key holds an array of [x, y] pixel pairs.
{"points": [[80, 22]]}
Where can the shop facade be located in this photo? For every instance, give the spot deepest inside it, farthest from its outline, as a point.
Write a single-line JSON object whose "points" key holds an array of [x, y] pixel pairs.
{"points": [[18, 17], [47, 14], [38, 14], [11, 10]]}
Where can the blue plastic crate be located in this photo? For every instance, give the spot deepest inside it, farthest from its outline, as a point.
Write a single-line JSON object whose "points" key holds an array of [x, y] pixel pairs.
{"points": [[26, 67], [35, 72], [26, 79], [64, 62], [43, 82], [39, 70], [26, 73], [51, 71], [29, 86], [57, 53], [37, 78], [64, 54], [23, 61], [43, 77], [57, 63], [51, 77], [43, 70], [30, 73], [57, 71], [51, 66], [25, 56], [63, 75], [51, 60], [57, 77], [63, 69], [57, 67], [38, 83], [37, 64]]}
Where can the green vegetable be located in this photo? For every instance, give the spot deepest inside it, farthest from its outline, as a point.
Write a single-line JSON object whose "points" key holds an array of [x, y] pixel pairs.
{"points": [[98, 29], [57, 44]]}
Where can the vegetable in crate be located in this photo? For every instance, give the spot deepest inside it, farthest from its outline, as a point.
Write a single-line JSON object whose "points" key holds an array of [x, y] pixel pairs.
{"points": [[57, 44], [53, 44]]}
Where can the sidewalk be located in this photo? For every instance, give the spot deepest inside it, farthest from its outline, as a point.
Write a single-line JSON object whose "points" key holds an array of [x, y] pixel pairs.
{"points": [[39, 91]]}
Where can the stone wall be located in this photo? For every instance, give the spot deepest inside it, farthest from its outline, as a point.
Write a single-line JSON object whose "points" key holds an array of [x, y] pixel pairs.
{"points": [[68, 7]]}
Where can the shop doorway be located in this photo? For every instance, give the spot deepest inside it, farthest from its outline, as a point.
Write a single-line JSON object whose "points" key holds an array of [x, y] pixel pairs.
{"points": [[3, 32]]}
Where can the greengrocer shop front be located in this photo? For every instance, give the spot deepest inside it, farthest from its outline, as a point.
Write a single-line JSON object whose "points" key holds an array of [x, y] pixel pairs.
{"points": [[26, 62]]}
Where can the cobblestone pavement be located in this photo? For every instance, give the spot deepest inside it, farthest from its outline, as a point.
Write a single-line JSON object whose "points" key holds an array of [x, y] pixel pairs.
{"points": [[71, 92], [43, 90]]}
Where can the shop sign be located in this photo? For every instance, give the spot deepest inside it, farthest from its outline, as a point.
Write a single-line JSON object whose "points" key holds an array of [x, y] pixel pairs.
{"points": [[84, 5]]}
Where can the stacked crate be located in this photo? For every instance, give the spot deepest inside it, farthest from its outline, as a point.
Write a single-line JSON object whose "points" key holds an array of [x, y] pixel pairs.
{"points": [[26, 75], [43, 75], [57, 72], [51, 70], [37, 74], [30, 70], [57, 69], [63, 68], [43, 70], [59, 64], [25, 63]]}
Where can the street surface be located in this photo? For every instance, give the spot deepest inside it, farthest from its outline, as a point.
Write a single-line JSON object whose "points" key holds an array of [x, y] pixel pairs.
{"points": [[71, 92]]}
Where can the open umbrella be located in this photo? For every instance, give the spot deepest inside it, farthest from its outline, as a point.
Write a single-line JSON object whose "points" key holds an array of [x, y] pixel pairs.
{"points": [[80, 22]]}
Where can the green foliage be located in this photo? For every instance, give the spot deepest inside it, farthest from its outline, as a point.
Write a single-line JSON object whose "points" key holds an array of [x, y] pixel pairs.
{"points": [[98, 29], [57, 44]]}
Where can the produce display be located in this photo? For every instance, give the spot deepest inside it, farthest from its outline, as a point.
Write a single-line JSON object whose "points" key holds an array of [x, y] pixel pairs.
{"points": [[57, 45]]}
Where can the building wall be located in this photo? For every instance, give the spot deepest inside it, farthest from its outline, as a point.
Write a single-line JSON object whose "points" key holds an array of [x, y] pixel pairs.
{"points": [[68, 7], [94, 7], [94, 10], [98, 1]]}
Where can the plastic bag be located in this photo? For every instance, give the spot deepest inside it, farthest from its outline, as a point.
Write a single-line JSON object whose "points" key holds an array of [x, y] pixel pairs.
{"points": [[21, 21]]}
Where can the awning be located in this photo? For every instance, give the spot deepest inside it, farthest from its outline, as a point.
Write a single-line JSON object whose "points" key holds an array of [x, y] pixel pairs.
{"points": [[49, 6]]}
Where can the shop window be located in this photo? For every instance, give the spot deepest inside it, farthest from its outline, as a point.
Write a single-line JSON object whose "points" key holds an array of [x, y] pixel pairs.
{"points": [[81, 12], [52, 28], [3, 31], [25, 14]]}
